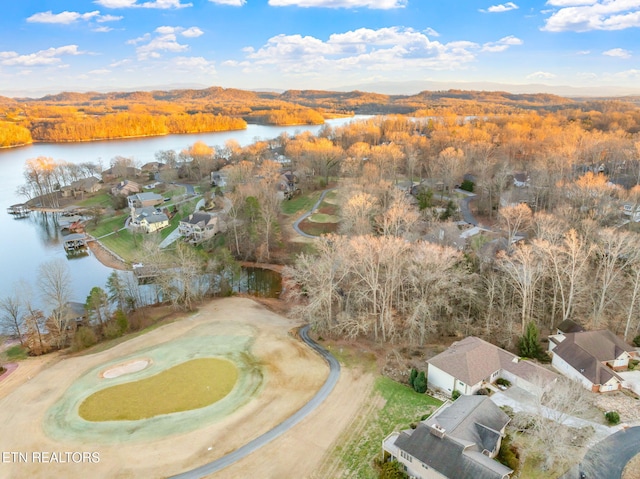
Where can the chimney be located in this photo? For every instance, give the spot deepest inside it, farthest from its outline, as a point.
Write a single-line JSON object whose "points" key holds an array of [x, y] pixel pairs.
{"points": [[437, 430]]}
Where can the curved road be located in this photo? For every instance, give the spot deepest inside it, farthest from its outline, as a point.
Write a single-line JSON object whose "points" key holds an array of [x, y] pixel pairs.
{"points": [[296, 224], [607, 459], [257, 443]]}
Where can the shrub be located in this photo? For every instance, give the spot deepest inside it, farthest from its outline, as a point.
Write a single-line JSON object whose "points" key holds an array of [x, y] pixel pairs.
{"points": [[482, 392], [83, 339], [111, 330], [509, 454], [612, 417], [2, 370], [467, 185], [633, 363], [121, 321], [503, 382], [636, 341], [420, 383], [529, 343], [455, 394], [412, 377], [390, 470]]}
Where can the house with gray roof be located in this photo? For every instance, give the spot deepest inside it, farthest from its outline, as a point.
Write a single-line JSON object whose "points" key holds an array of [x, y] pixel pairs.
{"points": [[199, 226], [592, 358], [459, 441], [149, 219], [471, 363], [142, 200]]}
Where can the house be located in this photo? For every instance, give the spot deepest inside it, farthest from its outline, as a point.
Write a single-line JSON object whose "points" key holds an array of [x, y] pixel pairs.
{"points": [[521, 180], [218, 179], [632, 210], [568, 326], [142, 200], [199, 227], [125, 188], [84, 185], [591, 357], [468, 365], [148, 219], [458, 441], [152, 167], [287, 184], [115, 172]]}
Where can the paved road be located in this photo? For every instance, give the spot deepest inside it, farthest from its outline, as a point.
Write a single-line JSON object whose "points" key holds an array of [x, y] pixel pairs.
{"points": [[296, 225], [320, 396], [607, 459]]}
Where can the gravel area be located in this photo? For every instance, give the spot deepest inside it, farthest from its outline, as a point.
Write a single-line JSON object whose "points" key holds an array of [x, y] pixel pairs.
{"points": [[627, 406]]}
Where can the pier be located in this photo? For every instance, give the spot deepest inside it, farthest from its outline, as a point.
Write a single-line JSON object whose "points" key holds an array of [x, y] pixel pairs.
{"points": [[20, 210], [75, 242]]}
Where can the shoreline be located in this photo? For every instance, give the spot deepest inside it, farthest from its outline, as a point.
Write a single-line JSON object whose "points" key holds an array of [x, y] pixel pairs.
{"points": [[106, 257]]}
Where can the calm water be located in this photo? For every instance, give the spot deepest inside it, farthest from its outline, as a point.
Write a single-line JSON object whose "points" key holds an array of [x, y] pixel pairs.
{"points": [[27, 243]]}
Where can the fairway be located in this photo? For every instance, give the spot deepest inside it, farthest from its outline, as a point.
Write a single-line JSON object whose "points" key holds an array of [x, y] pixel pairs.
{"points": [[191, 385]]}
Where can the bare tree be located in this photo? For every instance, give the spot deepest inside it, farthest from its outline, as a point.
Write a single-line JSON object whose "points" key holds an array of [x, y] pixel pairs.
{"points": [[12, 316], [515, 219], [54, 280]]}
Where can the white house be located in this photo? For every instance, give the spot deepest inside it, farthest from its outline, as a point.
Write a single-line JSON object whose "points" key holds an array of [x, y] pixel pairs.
{"points": [[632, 210], [149, 219], [469, 364], [142, 200], [458, 441], [199, 227], [591, 357]]}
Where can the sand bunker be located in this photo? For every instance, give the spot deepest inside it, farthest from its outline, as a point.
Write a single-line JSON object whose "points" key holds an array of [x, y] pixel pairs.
{"points": [[127, 368]]}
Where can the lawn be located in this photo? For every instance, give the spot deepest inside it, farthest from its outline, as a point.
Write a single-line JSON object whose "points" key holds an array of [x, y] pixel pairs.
{"points": [[323, 218], [402, 406], [15, 353], [302, 203], [190, 385], [102, 200], [106, 225]]}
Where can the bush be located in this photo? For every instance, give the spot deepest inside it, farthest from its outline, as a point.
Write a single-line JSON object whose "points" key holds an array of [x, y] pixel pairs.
{"points": [[83, 339], [509, 454], [612, 417], [420, 383], [467, 185], [390, 470], [412, 377], [633, 363], [111, 330], [121, 321], [503, 382], [2, 370], [636, 341], [455, 394], [482, 392]]}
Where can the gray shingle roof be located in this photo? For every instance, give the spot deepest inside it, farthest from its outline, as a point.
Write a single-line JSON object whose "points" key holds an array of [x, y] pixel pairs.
{"points": [[471, 424]]}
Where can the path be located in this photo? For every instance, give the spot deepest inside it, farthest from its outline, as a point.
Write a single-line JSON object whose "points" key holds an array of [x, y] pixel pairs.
{"points": [[608, 458], [296, 224], [267, 437]]}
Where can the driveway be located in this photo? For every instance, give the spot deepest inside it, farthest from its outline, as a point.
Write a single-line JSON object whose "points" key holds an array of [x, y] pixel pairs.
{"points": [[608, 458], [632, 380], [521, 401]]}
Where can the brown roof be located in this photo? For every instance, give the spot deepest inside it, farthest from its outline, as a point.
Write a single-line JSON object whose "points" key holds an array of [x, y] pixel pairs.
{"points": [[585, 351], [473, 359]]}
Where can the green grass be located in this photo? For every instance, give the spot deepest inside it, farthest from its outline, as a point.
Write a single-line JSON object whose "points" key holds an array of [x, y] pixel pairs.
{"points": [[402, 406], [301, 203], [190, 385], [106, 225], [103, 200], [323, 218], [15, 353]]}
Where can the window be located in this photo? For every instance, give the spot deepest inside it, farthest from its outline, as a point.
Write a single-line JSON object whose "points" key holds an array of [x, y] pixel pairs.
{"points": [[406, 456]]}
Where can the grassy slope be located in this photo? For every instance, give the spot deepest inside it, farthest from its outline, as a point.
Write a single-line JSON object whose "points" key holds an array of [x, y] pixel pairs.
{"points": [[402, 406]]}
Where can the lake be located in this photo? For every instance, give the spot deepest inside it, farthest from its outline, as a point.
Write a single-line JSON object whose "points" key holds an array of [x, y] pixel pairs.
{"points": [[30, 242]]}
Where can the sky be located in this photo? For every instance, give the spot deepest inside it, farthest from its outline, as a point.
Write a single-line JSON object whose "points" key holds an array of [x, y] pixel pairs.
{"points": [[82, 45]]}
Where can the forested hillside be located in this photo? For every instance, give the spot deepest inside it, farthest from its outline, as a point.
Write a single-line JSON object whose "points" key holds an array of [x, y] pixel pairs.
{"points": [[72, 116]]}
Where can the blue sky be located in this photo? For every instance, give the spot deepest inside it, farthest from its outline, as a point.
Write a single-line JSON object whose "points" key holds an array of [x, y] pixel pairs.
{"points": [[48, 46]]}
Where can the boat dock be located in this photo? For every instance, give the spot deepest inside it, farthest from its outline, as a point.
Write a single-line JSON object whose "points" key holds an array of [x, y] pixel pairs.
{"points": [[75, 242], [20, 210]]}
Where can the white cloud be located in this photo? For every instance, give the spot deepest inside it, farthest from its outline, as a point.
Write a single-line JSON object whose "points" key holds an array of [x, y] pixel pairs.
{"points": [[102, 29], [617, 53], [194, 63], [373, 4], [49, 56], [431, 32], [363, 51], [502, 44], [587, 15], [505, 7], [65, 18], [192, 32], [100, 71], [541, 76], [161, 4], [166, 40], [233, 3]]}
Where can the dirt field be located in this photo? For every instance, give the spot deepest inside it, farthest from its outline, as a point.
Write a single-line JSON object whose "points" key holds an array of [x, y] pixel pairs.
{"points": [[292, 373]]}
